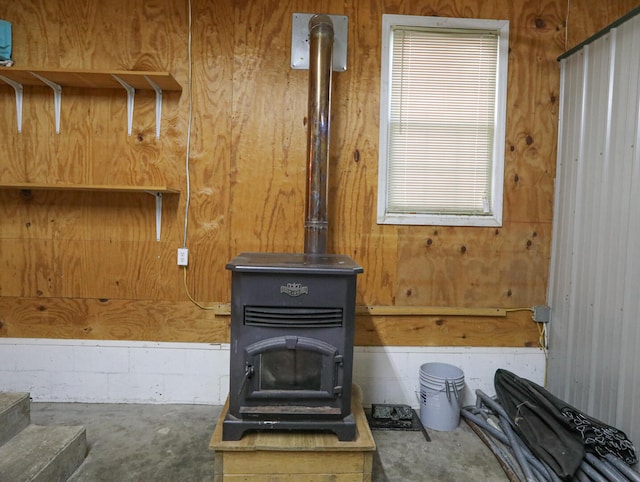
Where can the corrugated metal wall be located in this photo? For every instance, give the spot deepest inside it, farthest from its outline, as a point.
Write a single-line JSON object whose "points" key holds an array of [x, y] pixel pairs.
{"points": [[594, 289]]}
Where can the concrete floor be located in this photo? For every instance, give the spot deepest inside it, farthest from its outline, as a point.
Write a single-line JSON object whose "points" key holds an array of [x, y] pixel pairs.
{"points": [[170, 443]]}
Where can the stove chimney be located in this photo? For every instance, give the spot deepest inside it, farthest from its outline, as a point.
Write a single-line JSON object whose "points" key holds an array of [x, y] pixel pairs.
{"points": [[318, 120]]}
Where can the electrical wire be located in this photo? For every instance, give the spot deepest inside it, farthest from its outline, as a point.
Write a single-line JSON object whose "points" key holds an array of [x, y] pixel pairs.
{"points": [[187, 157], [542, 338], [566, 26], [186, 290], [189, 121], [544, 345]]}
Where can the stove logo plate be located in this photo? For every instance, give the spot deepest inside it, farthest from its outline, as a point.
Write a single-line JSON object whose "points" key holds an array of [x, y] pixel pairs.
{"points": [[294, 289]]}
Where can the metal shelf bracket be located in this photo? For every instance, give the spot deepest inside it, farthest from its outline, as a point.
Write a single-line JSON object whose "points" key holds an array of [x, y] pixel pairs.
{"points": [[131, 93], [19, 90], [158, 104], [57, 97], [158, 196]]}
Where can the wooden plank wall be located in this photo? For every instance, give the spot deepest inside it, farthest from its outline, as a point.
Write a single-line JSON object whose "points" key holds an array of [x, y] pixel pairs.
{"points": [[87, 265]]}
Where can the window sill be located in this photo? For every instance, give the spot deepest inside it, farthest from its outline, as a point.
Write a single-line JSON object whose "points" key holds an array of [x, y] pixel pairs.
{"points": [[444, 220]]}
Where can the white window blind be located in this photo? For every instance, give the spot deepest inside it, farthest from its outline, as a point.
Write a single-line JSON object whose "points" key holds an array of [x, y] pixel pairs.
{"points": [[441, 117]]}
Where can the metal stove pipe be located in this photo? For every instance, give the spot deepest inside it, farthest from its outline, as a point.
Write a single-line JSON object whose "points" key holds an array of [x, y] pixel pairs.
{"points": [[318, 120]]}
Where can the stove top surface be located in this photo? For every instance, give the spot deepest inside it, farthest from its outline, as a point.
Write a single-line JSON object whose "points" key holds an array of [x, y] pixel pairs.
{"points": [[294, 262]]}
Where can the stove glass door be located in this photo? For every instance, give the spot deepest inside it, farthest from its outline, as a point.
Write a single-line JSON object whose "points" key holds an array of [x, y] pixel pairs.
{"points": [[292, 367], [290, 370]]}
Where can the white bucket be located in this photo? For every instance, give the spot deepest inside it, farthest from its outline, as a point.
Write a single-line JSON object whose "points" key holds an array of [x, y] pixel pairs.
{"points": [[441, 388]]}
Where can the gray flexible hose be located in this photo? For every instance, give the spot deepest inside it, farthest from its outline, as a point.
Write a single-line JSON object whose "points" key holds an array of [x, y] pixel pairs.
{"points": [[580, 476], [624, 468], [591, 472], [605, 468], [499, 448], [592, 469], [539, 465], [506, 428]]}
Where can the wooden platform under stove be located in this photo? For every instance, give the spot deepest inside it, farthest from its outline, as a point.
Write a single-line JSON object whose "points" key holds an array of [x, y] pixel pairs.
{"points": [[294, 456]]}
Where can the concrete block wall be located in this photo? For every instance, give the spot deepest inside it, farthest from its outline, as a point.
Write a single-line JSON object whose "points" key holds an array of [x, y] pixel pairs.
{"points": [[148, 372], [392, 374], [115, 372]]}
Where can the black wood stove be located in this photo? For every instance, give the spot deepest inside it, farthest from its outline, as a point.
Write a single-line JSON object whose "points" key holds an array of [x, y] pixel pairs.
{"points": [[293, 315], [292, 326]]}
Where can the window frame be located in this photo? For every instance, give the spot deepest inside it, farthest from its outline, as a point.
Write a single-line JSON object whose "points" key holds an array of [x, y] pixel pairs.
{"points": [[494, 218]]}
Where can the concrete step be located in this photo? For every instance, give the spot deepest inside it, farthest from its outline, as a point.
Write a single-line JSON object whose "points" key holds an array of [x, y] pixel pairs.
{"points": [[15, 414], [43, 454]]}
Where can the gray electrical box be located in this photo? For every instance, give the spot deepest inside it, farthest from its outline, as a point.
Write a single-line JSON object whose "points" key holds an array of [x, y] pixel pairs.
{"points": [[541, 313]]}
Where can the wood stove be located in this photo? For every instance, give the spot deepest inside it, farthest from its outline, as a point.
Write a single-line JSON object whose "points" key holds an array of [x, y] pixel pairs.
{"points": [[292, 315], [292, 328]]}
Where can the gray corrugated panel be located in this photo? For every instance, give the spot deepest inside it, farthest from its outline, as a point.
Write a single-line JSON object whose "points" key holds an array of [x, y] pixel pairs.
{"points": [[595, 271], [628, 402]]}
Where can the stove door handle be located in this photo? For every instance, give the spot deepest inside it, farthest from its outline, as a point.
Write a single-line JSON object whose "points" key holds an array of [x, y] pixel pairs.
{"points": [[248, 373]]}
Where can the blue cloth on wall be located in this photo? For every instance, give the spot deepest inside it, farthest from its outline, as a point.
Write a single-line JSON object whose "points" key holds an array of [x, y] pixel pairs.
{"points": [[5, 40]]}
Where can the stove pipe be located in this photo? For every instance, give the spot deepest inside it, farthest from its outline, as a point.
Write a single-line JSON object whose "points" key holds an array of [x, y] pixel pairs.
{"points": [[318, 120]]}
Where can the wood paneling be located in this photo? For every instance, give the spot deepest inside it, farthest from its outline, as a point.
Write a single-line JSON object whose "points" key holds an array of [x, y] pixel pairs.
{"points": [[109, 319], [514, 330], [66, 252], [588, 17]]}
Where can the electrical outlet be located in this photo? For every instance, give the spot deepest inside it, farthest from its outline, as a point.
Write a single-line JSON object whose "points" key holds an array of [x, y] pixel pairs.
{"points": [[541, 313], [183, 256]]}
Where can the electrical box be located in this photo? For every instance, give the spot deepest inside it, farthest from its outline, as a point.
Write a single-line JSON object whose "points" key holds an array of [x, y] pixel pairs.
{"points": [[183, 256], [541, 313]]}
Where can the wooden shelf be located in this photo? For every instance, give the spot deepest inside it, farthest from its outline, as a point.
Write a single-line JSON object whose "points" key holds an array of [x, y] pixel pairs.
{"points": [[86, 187], [56, 79], [92, 79], [156, 191]]}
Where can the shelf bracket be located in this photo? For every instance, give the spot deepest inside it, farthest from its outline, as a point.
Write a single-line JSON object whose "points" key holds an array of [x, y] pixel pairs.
{"points": [[19, 90], [131, 93], [158, 196], [57, 97], [158, 104]]}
